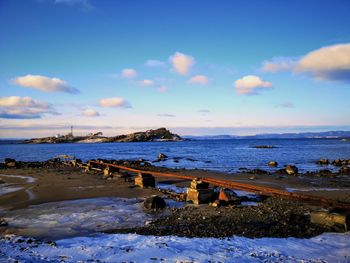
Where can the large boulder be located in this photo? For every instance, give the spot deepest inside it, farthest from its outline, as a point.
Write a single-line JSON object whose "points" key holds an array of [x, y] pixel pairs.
{"points": [[291, 170], [337, 162], [154, 202]]}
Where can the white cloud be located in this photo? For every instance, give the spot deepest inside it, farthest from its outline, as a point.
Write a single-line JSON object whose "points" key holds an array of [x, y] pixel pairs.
{"points": [[327, 63], [146, 82], [250, 84], [129, 73], [154, 63], [90, 113], [44, 84], [15, 107], [199, 79], [181, 63], [162, 89], [115, 102], [279, 64], [330, 63], [15, 101]]}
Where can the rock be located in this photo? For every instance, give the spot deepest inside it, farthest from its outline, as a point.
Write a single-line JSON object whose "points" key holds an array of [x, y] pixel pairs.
{"points": [[273, 163], [3, 222], [337, 162], [10, 162], [198, 184], [339, 221], [264, 147], [154, 202], [200, 196], [144, 180], [227, 195], [291, 169], [323, 162], [344, 170], [162, 156]]}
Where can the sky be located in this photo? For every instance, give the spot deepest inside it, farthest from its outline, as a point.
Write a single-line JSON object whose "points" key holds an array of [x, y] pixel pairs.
{"points": [[197, 67]]}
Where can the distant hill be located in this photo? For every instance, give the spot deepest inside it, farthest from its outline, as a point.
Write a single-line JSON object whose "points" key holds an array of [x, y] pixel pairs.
{"points": [[302, 135]]}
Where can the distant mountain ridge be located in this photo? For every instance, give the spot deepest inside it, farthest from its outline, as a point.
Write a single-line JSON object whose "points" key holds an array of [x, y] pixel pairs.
{"points": [[301, 135]]}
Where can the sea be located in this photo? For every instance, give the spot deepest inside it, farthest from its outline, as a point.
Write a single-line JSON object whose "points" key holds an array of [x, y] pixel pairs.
{"points": [[228, 155]]}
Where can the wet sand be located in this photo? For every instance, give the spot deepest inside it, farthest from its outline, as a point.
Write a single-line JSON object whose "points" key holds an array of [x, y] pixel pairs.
{"points": [[41, 185]]}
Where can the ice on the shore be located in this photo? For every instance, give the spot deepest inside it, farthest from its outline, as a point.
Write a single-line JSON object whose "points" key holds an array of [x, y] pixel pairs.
{"points": [[28, 179], [329, 247], [171, 187], [6, 188], [77, 217]]}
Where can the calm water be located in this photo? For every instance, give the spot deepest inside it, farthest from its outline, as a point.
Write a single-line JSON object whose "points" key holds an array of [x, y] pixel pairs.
{"points": [[221, 155]]}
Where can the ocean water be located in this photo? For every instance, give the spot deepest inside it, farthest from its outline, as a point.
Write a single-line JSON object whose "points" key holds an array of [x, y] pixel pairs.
{"points": [[219, 155]]}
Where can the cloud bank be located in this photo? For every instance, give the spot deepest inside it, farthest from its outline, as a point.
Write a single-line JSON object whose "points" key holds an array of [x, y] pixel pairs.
{"points": [[181, 63], [250, 84], [15, 107], [146, 82], [44, 83]]}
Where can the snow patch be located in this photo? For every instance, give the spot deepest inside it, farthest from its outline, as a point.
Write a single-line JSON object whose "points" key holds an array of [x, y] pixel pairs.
{"points": [[328, 247]]}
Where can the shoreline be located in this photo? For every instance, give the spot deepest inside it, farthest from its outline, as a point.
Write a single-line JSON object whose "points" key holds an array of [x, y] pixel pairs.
{"points": [[268, 217]]}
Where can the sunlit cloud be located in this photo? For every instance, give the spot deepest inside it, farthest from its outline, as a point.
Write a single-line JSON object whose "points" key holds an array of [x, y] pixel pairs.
{"points": [[115, 102], [44, 83], [250, 84], [129, 73], [154, 63], [90, 113], [181, 63], [330, 63], [199, 79], [146, 82], [327, 63], [15, 107]]}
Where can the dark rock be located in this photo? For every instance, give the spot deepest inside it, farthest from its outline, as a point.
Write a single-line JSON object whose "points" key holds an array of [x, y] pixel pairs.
{"points": [[337, 162], [264, 147], [154, 203], [3, 222], [344, 170], [273, 163], [323, 162], [162, 156]]}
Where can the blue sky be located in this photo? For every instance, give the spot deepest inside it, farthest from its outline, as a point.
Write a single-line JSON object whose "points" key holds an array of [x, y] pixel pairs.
{"points": [[196, 67]]}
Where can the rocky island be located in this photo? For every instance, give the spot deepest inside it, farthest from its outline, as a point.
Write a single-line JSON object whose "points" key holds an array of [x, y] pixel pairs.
{"points": [[161, 134]]}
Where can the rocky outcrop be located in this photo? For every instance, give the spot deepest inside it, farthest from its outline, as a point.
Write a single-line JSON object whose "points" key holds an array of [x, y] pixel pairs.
{"points": [[154, 202], [160, 135]]}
